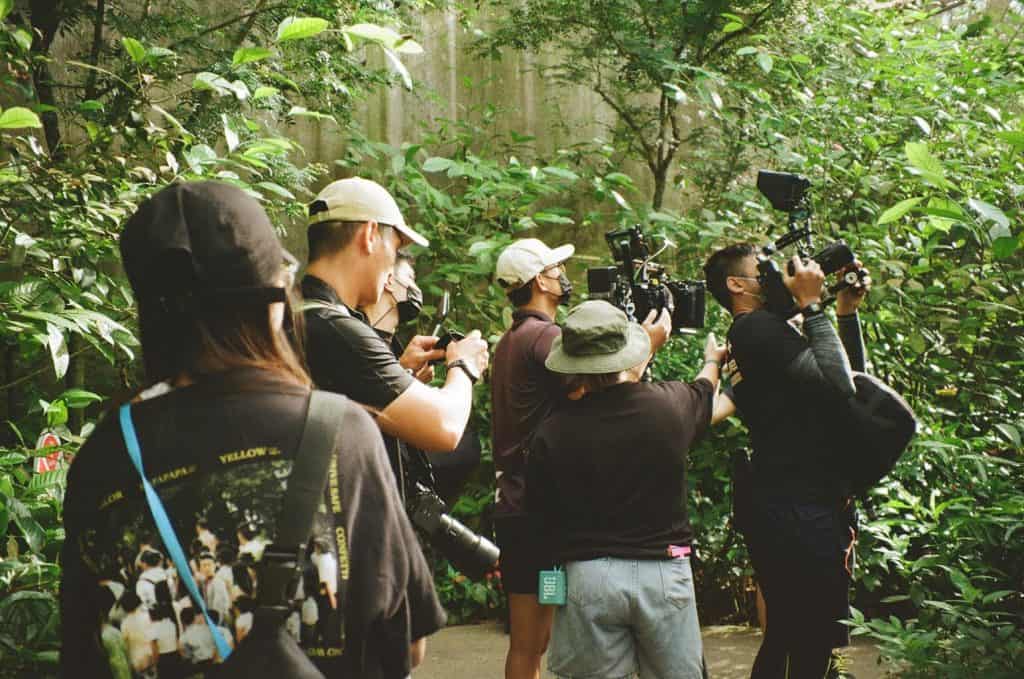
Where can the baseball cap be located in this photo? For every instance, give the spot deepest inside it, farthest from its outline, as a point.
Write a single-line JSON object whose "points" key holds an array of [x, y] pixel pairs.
{"points": [[520, 262], [360, 200], [200, 244], [597, 338]]}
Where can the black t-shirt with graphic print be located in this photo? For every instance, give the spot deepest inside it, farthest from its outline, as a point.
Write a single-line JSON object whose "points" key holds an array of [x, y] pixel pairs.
{"points": [[219, 453]]}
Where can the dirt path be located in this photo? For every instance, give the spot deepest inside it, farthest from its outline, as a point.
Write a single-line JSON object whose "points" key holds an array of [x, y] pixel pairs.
{"points": [[478, 652]]}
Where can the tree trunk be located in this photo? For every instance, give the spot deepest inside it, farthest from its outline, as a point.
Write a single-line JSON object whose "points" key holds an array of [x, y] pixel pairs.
{"points": [[660, 180], [46, 19]]}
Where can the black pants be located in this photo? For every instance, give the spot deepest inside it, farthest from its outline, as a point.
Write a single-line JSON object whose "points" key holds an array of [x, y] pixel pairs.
{"points": [[798, 550]]}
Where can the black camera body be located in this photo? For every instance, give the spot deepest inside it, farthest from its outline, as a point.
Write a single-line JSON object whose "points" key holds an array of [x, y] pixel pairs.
{"points": [[469, 553], [788, 193], [637, 285]]}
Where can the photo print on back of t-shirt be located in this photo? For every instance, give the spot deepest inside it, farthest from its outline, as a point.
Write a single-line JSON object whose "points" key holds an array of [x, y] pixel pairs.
{"points": [[224, 520]]}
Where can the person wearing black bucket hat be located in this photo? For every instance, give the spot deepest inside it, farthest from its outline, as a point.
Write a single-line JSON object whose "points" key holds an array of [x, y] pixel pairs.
{"points": [[606, 484], [229, 433]]}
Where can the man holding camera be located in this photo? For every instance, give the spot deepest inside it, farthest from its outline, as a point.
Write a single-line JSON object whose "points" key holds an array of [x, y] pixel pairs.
{"points": [[523, 393], [356, 230], [787, 385]]}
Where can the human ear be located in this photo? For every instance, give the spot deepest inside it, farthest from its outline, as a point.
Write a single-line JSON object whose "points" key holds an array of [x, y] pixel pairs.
{"points": [[734, 286], [365, 236]]}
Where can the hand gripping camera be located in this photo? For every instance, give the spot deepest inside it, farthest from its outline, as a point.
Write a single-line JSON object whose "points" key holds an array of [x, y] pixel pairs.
{"points": [[469, 553], [788, 193], [637, 285]]}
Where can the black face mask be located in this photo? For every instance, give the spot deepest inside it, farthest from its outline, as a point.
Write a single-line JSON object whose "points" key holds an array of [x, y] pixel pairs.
{"points": [[566, 285], [410, 307]]}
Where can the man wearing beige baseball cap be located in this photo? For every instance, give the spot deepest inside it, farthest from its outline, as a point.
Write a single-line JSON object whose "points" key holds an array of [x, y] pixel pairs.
{"points": [[523, 393], [355, 231]]}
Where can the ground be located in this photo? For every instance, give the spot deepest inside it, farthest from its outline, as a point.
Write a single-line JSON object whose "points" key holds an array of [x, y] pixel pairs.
{"points": [[478, 652]]}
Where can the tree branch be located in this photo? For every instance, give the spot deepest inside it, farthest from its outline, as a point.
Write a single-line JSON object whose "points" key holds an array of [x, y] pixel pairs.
{"points": [[250, 22], [728, 37], [97, 42], [226, 23], [627, 118]]}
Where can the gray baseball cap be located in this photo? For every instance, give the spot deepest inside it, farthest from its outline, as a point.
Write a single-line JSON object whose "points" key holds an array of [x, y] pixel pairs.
{"points": [[597, 338]]}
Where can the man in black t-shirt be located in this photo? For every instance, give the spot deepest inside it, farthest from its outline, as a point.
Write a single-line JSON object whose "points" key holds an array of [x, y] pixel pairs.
{"points": [[355, 232], [606, 479], [787, 385]]}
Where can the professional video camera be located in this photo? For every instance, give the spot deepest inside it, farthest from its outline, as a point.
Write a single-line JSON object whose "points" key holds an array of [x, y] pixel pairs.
{"points": [[636, 284], [469, 553], [788, 193]]}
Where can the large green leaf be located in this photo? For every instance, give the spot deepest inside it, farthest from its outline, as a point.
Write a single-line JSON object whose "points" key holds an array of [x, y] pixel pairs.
{"points": [[398, 67], [135, 49], [246, 55], [18, 117], [31, 531], [927, 165], [5, 8], [898, 210], [297, 28]]}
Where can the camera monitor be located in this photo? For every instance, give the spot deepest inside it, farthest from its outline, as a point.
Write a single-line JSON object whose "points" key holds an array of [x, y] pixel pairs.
{"points": [[783, 190]]}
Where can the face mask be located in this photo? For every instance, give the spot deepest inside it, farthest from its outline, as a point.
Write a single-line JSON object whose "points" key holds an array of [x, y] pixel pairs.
{"points": [[759, 295], [410, 307]]}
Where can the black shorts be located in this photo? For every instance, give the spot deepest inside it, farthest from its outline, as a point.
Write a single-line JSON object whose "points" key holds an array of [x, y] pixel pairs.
{"points": [[523, 555], [798, 554]]}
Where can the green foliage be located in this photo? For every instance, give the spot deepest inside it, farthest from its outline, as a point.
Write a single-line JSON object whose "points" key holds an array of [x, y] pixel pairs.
{"points": [[176, 98], [646, 59], [910, 129], [922, 180]]}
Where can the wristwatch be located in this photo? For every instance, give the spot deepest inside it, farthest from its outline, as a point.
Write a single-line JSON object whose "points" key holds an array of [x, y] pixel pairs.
{"points": [[466, 368], [812, 309]]}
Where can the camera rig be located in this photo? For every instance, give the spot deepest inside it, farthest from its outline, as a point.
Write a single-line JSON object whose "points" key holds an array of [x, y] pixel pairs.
{"points": [[637, 284], [788, 193]]}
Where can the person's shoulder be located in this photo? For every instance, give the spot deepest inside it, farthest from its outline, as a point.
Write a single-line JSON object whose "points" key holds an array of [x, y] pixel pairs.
{"points": [[354, 424], [753, 323]]}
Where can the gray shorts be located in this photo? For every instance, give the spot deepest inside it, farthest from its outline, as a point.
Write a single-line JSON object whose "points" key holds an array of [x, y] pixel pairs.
{"points": [[623, 617]]}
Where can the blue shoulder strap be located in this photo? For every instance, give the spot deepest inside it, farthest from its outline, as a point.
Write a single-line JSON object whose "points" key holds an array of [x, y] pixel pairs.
{"points": [[163, 524]]}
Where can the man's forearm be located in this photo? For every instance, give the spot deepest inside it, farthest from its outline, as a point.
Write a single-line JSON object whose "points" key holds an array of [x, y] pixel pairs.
{"points": [[853, 341], [824, 365], [429, 418]]}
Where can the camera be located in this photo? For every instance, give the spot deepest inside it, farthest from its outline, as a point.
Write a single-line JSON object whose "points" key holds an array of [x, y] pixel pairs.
{"points": [[637, 285], [788, 193], [469, 553]]}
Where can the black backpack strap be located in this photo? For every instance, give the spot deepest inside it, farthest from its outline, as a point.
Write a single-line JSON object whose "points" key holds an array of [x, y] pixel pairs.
{"points": [[283, 560]]}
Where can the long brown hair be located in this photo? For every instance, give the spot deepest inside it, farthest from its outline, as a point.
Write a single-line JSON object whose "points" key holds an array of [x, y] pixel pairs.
{"points": [[210, 341]]}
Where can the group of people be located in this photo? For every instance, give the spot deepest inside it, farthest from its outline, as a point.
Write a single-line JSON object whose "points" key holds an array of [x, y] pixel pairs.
{"points": [[590, 456], [152, 628]]}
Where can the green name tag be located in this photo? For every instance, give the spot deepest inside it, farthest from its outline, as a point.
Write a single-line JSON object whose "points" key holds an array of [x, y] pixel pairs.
{"points": [[551, 588]]}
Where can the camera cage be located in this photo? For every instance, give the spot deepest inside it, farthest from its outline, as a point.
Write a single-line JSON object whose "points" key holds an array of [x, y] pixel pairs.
{"points": [[637, 284], [789, 193]]}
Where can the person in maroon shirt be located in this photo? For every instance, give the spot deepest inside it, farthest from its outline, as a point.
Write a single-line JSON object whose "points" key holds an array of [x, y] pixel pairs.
{"points": [[523, 393]]}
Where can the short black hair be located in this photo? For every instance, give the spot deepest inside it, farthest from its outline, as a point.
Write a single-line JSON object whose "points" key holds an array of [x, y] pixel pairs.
{"points": [[327, 238], [722, 264], [151, 558], [130, 601], [188, 615], [592, 383], [521, 295]]}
